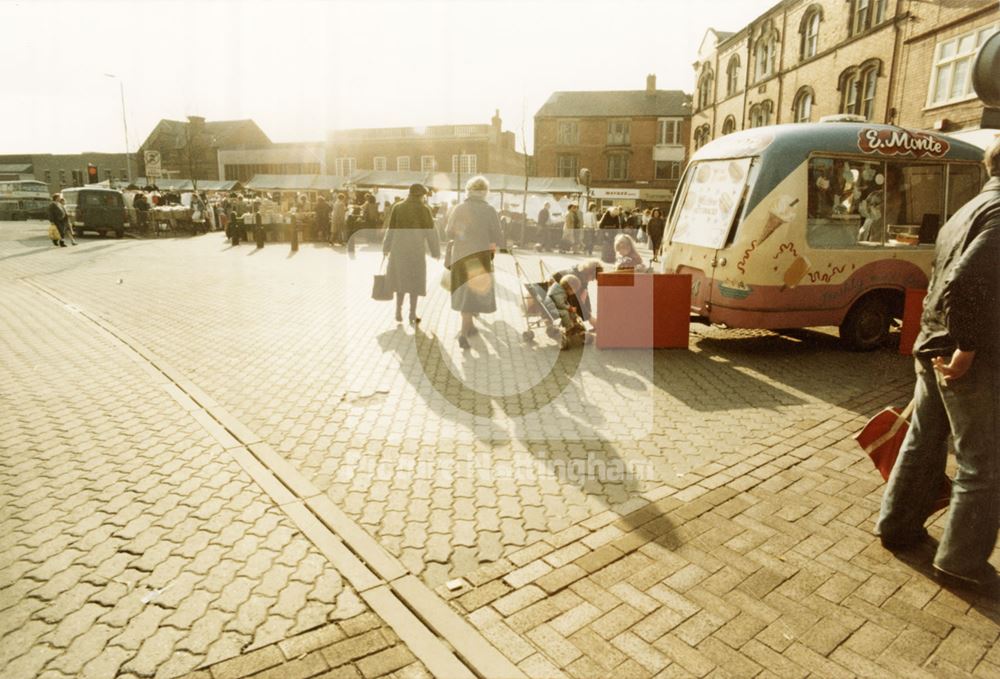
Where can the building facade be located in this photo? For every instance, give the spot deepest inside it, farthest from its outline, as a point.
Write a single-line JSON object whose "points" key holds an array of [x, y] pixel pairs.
{"points": [[70, 169], [632, 142], [938, 51], [191, 149], [902, 62], [467, 149], [292, 158]]}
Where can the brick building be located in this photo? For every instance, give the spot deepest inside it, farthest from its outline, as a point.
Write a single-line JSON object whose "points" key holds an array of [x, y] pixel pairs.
{"points": [[938, 49], [69, 169], [633, 142], [470, 149], [902, 62], [190, 149], [289, 158]]}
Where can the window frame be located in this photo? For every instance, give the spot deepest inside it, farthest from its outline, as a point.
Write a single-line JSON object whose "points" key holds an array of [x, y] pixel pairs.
{"points": [[380, 160], [622, 158], [350, 161], [765, 53], [729, 125], [733, 75], [805, 94], [702, 135], [399, 164], [469, 161], [622, 135], [764, 109], [423, 164], [567, 132], [664, 139], [953, 61], [706, 87], [575, 165], [810, 33], [672, 170]]}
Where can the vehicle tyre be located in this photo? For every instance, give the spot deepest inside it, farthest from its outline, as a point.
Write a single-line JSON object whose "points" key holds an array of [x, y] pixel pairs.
{"points": [[119, 233], [102, 234], [866, 326]]}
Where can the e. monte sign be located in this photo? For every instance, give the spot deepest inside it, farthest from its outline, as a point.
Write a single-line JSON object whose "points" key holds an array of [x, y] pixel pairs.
{"points": [[899, 142]]}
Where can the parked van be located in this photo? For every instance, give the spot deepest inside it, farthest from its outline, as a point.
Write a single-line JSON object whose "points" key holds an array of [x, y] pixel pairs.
{"points": [[96, 209], [816, 224]]}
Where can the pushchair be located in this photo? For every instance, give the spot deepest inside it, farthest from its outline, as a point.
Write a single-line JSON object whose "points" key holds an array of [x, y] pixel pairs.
{"points": [[533, 292]]}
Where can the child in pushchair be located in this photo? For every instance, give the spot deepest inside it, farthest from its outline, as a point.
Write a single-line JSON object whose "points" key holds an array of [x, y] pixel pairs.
{"points": [[558, 302]]}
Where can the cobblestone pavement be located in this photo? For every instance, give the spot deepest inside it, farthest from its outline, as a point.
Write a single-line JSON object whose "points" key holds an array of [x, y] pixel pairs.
{"points": [[738, 543], [132, 544]]}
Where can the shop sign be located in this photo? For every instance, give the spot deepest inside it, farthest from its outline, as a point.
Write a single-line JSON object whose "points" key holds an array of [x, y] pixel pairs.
{"points": [[897, 142], [657, 195], [612, 194]]}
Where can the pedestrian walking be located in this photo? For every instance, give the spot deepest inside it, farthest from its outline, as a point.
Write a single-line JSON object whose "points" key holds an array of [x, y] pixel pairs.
{"points": [[323, 211], [474, 228], [571, 227], [957, 357], [339, 227], [60, 218], [590, 228], [408, 238], [655, 229], [611, 222]]}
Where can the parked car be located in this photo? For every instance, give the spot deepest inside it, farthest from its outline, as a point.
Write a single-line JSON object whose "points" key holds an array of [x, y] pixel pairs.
{"points": [[96, 209]]}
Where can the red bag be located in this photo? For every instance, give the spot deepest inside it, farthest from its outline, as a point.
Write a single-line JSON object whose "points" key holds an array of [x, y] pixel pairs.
{"points": [[882, 437]]}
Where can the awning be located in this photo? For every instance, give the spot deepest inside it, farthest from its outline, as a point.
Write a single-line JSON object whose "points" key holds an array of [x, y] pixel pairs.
{"points": [[296, 182]]}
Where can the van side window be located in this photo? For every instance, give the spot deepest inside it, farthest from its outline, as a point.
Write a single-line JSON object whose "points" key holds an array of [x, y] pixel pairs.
{"points": [[964, 182], [862, 203], [914, 203], [839, 194]]}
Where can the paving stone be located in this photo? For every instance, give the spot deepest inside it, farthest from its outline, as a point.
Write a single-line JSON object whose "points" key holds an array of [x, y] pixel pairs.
{"points": [[247, 664], [353, 648]]}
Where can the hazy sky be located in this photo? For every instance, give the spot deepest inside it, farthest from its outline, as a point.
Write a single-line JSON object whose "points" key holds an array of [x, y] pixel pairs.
{"points": [[301, 69]]}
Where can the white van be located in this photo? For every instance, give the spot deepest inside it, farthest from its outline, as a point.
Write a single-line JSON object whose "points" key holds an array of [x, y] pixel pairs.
{"points": [[816, 224]]}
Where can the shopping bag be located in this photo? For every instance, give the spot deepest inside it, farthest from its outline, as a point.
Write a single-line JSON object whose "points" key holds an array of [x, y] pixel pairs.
{"points": [[54, 232], [381, 291], [881, 439]]}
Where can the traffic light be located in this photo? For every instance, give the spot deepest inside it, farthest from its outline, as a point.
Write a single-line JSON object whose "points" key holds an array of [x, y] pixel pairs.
{"points": [[91, 173]]}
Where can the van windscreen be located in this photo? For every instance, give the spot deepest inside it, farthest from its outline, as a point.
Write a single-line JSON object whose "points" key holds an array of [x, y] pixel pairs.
{"points": [[711, 195]]}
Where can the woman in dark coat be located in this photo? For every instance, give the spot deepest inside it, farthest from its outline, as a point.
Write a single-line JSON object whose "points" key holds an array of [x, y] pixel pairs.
{"points": [[474, 228], [655, 228], [410, 234]]}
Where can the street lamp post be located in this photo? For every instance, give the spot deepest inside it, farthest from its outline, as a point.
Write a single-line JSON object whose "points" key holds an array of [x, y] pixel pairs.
{"points": [[121, 88]]}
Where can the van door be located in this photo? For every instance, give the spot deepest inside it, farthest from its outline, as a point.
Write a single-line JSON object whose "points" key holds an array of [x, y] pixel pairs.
{"points": [[713, 196]]}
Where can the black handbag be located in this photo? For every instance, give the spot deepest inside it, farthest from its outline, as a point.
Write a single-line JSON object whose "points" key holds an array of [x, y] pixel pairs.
{"points": [[381, 291]]}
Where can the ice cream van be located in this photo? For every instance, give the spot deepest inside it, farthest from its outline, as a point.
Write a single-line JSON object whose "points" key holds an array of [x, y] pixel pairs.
{"points": [[816, 224]]}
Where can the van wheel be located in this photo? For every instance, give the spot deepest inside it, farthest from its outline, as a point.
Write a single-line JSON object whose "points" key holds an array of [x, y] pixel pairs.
{"points": [[866, 326], [120, 233], [102, 234]]}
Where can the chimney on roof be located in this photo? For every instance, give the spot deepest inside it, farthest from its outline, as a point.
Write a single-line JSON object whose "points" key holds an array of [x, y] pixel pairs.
{"points": [[197, 123], [495, 124], [651, 83]]}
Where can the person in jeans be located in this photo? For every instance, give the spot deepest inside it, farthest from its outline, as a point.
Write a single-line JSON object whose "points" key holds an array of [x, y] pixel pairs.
{"points": [[957, 361]]}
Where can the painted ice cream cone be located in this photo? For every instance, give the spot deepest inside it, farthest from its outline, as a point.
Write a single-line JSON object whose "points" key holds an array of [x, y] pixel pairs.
{"points": [[780, 214], [795, 272]]}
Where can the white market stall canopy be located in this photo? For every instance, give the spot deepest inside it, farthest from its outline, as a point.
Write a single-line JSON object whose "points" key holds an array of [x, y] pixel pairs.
{"points": [[187, 184], [439, 181], [296, 182]]}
